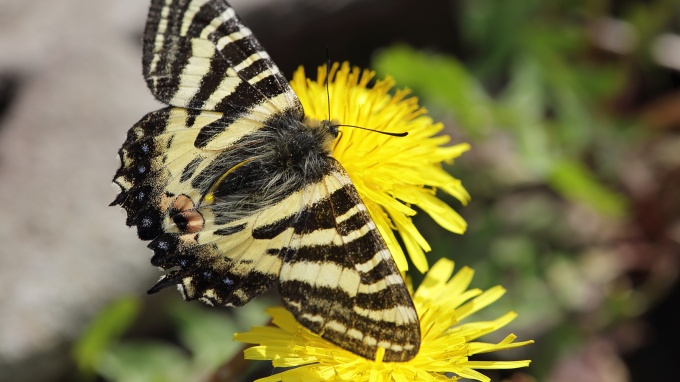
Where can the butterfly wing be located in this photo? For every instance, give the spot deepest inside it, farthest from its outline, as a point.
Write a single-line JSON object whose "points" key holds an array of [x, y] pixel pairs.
{"points": [[198, 54], [339, 279]]}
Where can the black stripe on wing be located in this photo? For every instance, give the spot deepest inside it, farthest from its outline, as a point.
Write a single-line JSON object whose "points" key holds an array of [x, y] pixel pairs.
{"points": [[340, 281], [199, 54]]}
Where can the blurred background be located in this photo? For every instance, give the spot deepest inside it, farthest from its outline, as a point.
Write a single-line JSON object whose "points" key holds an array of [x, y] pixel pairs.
{"points": [[572, 109]]}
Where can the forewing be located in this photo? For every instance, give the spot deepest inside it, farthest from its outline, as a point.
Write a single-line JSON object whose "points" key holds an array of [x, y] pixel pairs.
{"points": [[198, 54], [164, 179], [339, 279]]}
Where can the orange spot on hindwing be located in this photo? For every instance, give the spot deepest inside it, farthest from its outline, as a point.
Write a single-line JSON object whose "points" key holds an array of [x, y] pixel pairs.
{"points": [[185, 216]]}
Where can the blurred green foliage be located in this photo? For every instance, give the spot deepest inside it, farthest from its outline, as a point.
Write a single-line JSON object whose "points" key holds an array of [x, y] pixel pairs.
{"points": [[201, 344], [545, 144], [536, 99], [105, 329]]}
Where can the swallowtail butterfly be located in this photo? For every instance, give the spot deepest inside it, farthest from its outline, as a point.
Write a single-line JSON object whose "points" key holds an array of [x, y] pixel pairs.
{"points": [[238, 191]]}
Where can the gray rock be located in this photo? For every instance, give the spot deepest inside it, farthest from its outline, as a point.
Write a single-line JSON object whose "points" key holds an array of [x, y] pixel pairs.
{"points": [[64, 252]]}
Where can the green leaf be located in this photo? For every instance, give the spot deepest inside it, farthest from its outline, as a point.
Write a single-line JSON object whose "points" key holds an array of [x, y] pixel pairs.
{"points": [[578, 183], [105, 329], [145, 361], [208, 334], [522, 111]]}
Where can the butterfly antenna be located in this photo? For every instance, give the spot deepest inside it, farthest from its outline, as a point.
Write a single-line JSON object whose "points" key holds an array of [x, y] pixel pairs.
{"points": [[405, 133], [328, 73], [328, 96]]}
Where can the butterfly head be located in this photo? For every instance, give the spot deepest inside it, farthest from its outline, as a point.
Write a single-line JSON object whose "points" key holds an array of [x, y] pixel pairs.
{"points": [[326, 131], [331, 126]]}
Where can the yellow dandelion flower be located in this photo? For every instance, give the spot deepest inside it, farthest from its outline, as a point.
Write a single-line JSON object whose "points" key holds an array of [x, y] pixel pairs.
{"points": [[392, 175], [442, 303]]}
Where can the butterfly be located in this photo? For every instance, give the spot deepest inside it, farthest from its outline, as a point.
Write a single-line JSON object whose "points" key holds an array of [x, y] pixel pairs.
{"points": [[238, 190]]}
